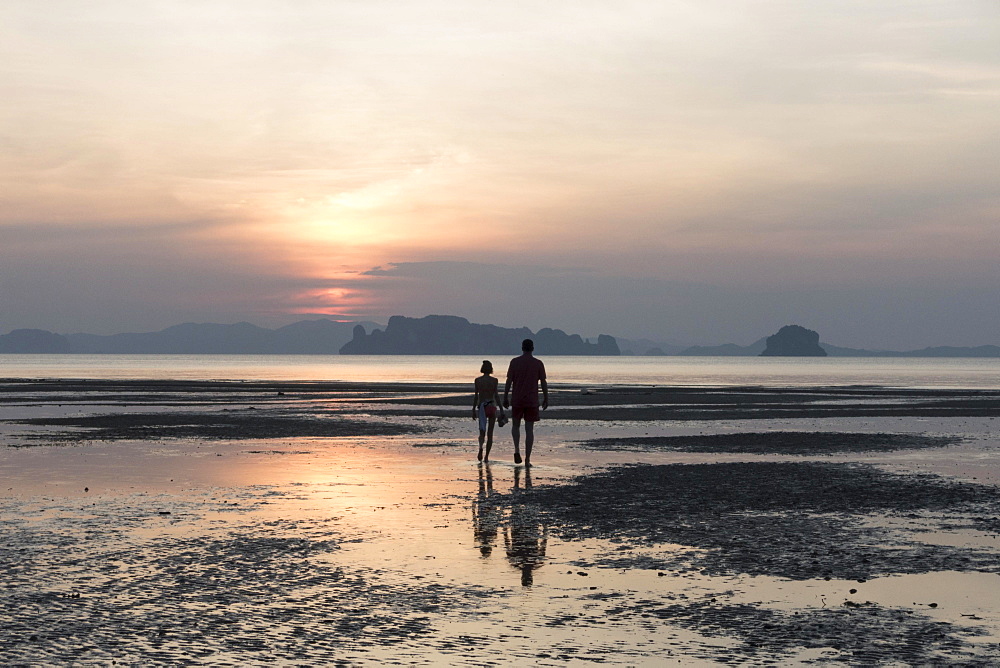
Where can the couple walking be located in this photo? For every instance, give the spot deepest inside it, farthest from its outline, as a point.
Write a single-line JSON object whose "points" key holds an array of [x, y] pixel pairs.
{"points": [[524, 374]]}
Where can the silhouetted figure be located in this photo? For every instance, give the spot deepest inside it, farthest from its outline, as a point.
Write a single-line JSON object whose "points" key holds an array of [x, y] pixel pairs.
{"points": [[525, 536], [485, 513], [525, 373], [484, 407]]}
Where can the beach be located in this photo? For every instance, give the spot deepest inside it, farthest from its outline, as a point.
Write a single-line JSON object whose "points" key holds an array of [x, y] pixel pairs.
{"points": [[314, 523]]}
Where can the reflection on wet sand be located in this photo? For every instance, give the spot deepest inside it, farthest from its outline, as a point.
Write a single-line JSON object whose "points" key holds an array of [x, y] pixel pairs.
{"points": [[525, 534], [486, 512]]}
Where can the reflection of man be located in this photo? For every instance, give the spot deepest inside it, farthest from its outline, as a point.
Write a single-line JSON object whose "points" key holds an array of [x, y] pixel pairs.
{"points": [[485, 513], [525, 373], [525, 536]]}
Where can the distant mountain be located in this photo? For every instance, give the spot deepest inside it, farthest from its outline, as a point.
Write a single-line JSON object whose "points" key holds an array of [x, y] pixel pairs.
{"points": [[452, 335], [33, 341], [838, 351], [186, 339], [954, 351], [757, 348], [430, 335], [791, 340], [308, 337], [647, 347], [726, 350]]}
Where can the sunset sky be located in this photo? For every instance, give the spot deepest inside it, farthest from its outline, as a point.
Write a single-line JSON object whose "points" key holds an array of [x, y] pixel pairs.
{"points": [[686, 171]]}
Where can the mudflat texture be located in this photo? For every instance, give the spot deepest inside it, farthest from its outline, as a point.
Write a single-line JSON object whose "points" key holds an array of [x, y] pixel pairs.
{"points": [[776, 442], [175, 523]]}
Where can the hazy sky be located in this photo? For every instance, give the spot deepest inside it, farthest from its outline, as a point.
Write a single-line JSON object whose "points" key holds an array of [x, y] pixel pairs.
{"points": [[699, 171]]}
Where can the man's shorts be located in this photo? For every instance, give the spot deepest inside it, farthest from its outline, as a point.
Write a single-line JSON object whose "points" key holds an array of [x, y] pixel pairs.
{"points": [[527, 413]]}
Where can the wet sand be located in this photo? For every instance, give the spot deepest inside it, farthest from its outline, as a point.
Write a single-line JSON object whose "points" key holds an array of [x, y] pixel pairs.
{"points": [[344, 524]]}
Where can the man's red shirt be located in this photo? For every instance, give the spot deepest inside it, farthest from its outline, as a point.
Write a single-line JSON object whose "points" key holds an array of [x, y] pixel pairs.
{"points": [[525, 371]]}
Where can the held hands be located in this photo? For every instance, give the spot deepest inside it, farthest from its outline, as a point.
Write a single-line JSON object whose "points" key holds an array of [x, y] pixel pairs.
{"points": [[475, 414]]}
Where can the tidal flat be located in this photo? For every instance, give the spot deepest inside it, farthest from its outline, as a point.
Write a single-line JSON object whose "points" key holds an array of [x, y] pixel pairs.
{"points": [[226, 523]]}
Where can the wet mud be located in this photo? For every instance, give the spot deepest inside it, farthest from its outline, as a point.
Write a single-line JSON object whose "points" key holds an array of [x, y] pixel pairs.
{"points": [[800, 521], [444, 400], [235, 424], [809, 520], [864, 634], [656, 413], [684, 404], [249, 591], [407, 551], [775, 442]]}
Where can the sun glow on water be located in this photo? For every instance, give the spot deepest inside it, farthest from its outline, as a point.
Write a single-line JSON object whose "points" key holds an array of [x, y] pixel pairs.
{"points": [[943, 373]]}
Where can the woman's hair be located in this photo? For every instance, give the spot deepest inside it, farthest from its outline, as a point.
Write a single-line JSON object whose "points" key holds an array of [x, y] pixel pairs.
{"points": [[487, 367]]}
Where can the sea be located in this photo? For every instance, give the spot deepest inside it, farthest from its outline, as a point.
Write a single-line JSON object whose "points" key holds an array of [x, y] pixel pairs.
{"points": [[915, 373]]}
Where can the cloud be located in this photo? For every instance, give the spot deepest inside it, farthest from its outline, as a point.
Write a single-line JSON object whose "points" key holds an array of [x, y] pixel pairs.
{"points": [[610, 164]]}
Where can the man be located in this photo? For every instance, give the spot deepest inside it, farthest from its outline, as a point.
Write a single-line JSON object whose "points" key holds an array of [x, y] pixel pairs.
{"points": [[525, 373]]}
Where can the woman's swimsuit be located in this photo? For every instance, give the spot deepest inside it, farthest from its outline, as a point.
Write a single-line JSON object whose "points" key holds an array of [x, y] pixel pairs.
{"points": [[487, 409]]}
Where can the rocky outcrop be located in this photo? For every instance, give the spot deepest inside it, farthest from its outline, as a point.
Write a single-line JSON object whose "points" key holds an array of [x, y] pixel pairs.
{"points": [[793, 341], [561, 343], [452, 335]]}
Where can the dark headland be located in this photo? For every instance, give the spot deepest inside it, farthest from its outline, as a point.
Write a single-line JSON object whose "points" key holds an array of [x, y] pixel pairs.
{"points": [[451, 335], [430, 335], [793, 341]]}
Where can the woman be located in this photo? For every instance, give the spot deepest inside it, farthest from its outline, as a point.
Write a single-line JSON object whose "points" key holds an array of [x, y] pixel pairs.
{"points": [[484, 407]]}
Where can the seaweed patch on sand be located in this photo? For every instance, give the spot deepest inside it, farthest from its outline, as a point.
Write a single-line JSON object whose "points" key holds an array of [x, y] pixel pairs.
{"points": [[228, 425], [794, 520], [775, 442]]}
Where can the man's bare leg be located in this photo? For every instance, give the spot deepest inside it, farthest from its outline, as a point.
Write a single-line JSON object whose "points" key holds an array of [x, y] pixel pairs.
{"points": [[515, 432], [529, 440], [482, 435]]}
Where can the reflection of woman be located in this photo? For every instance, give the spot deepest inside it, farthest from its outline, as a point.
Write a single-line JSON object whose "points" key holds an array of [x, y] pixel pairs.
{"points": [[485, 513], [484, 407], [525, 536]]}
